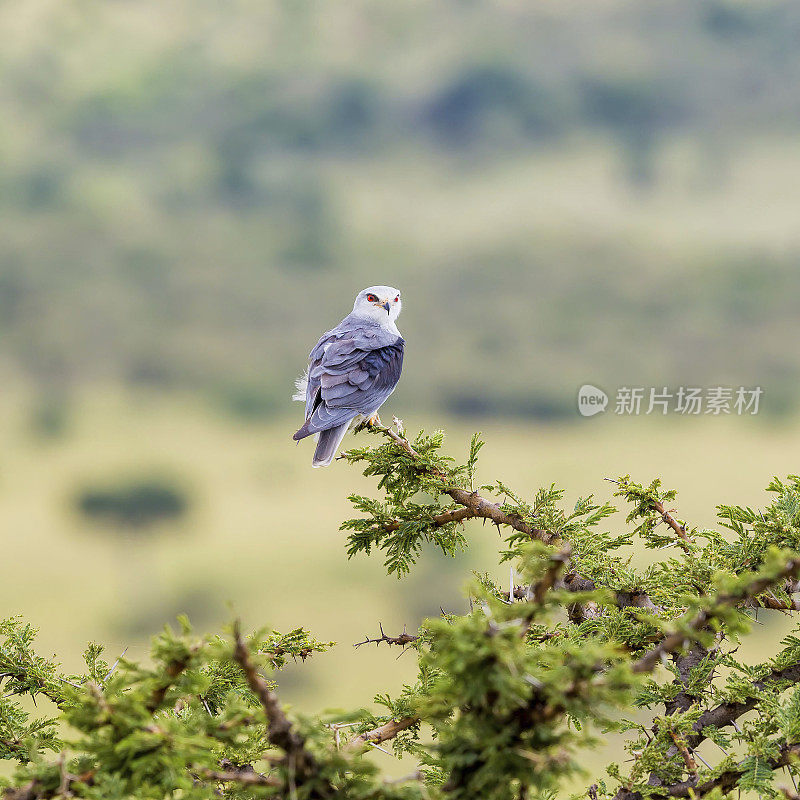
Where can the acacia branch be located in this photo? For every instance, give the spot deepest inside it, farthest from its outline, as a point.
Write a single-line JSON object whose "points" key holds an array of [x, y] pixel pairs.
{"points": [[477, 506], [768, 601], [727, 780], [721, 716], [402, 640], [688, 759], [684, 540], [244, 776], [724, 714], [438, 520], [383, 732], [280, 731], [727, 713], [675, 640], [13, 745], [680, 530], [573, 582], [390, 729], [472, 504]]}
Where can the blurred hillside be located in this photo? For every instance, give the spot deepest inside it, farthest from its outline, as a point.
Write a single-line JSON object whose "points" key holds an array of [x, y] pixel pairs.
{"points": [[565, 192]]}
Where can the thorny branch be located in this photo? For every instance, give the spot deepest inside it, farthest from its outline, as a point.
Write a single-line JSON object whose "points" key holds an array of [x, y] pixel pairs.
{"points": [[683, 540], [726, 714], [280, 731], [726, 780], [647, 663], [680, 530], [244, 776], [475, 506], [675, 640], [402, 640], [472, 505], [383, 732], [680, 745]]}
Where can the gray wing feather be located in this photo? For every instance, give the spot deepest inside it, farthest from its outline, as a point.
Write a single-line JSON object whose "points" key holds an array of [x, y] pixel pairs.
{"points": [[352, 371]]}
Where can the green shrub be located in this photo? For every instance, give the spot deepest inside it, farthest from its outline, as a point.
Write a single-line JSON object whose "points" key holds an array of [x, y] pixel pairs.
{"points": [[509, 696]]}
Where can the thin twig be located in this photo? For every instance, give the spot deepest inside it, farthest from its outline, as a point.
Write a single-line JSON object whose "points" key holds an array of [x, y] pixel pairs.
{"points": [[402, 640]]}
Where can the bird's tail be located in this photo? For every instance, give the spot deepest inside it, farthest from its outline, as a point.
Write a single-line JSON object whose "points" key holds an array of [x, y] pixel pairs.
{"points": [[328, 443]]}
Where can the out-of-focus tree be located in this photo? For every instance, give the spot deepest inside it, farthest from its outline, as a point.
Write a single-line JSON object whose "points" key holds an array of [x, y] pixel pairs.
{"points": [[135, 505]]}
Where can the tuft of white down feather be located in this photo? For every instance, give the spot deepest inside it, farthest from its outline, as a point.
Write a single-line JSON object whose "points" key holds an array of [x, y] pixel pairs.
{"points": [[301, 385]]}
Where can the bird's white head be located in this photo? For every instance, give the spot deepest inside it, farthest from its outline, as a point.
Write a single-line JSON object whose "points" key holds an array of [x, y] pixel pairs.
{"points": [[379, 303]]}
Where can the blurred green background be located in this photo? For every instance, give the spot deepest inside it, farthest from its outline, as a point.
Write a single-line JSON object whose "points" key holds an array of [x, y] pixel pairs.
{"points": [[596, 192]]}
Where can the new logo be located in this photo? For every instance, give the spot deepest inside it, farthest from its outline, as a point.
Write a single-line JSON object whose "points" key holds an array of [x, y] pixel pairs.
{"points": [[591, 400]]}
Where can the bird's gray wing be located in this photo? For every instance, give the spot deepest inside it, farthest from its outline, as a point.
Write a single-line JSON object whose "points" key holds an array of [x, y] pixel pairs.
{"points": [[313, 384], [349, 375]]}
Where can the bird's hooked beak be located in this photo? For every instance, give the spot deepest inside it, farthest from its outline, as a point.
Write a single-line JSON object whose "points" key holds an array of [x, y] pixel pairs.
{"points": [[385, 305]]}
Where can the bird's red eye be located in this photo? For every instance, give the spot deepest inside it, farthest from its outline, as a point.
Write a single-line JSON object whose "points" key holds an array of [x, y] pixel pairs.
{"points": [[371, 298]]}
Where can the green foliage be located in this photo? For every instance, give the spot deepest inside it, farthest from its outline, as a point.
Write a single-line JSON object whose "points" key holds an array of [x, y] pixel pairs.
{"points": [[404, 520], [143, 731], [508, 697], [497, 690], [490, 677]]}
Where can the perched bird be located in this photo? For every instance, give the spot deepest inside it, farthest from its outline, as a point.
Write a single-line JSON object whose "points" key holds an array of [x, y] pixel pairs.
{"points": [[352, 370]]}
